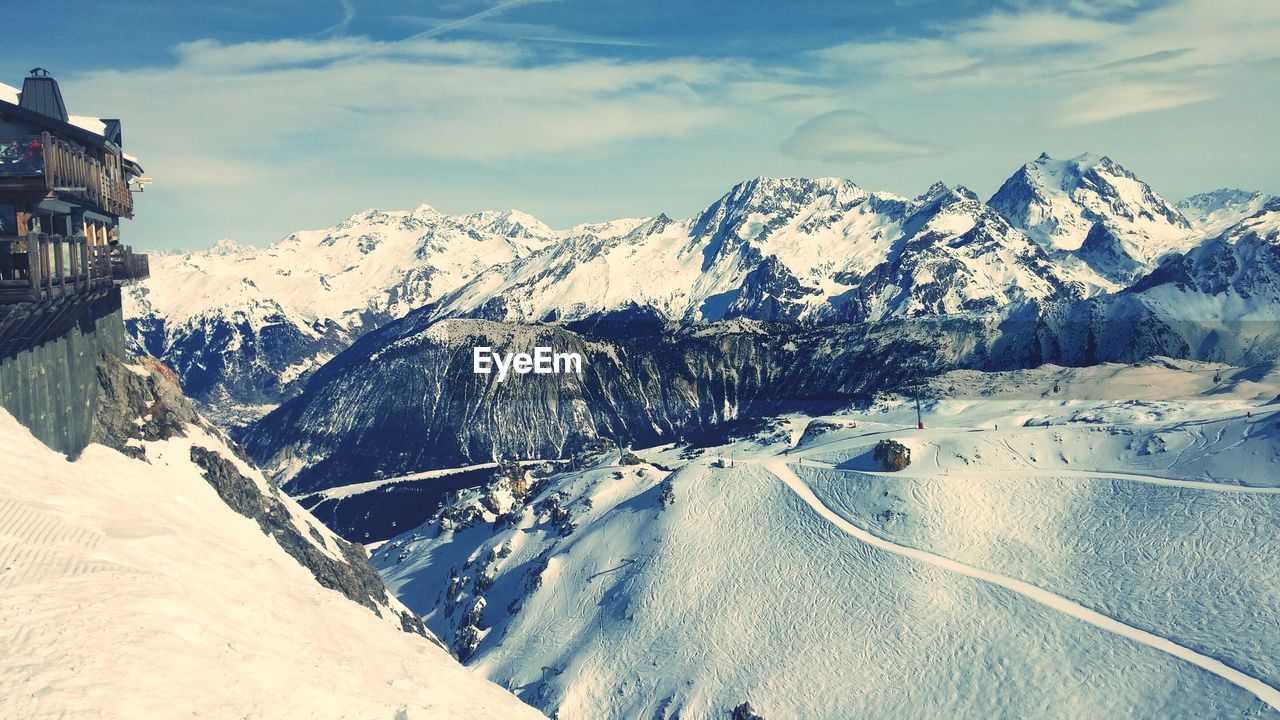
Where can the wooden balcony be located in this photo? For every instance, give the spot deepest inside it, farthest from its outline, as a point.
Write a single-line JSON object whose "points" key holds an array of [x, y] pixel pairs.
{"points": [[128, 266], [42, 267], [91, 178]]}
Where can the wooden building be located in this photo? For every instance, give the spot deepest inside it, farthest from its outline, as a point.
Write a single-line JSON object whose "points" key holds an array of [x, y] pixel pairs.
{"points": [[65, 183]]}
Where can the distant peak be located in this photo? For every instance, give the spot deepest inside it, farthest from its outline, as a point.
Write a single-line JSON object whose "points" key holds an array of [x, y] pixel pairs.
{"points": [[764, 185], [511, 223], [1043, 157], [1086, 160], [225, 246], [935, 191], [1221, 196]]}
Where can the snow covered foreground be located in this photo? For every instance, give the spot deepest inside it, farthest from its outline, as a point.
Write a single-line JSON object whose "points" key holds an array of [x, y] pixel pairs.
{"points": [[129, 589], [1105, 550]]}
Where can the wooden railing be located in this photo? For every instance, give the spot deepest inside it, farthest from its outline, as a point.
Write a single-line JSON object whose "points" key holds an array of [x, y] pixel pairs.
{"points": [[90, 177], [71, 170], [126, 265], [39, 266]]}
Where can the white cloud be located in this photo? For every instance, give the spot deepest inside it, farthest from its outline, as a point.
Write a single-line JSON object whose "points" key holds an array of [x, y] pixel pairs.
{"points": [[1116, 101], [851, 135], [1183, 52], [288, 99]]}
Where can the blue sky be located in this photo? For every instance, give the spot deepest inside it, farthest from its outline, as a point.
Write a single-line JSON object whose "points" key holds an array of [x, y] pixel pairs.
{"points": [[255, 121]]}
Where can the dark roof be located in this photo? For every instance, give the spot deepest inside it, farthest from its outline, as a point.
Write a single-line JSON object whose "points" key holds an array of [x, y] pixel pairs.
{"points": [[40, 94]]}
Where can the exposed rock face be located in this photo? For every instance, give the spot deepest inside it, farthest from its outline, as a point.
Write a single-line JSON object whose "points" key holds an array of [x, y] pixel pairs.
{"points": [[746, 712], [352, 575], [146, 390], [893, 455]]}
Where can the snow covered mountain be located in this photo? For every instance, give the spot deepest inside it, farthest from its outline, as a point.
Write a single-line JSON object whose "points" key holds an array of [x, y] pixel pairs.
{"points": [[1213, 212], [1092, 212], [242, 325], [784, 250], [1220, 301], [161, 575], [246, 327], [1104, 549]]}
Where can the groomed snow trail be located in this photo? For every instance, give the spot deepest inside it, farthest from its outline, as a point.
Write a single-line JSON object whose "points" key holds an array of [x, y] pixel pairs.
{"points": [[1266, 693], [1068, 472]]}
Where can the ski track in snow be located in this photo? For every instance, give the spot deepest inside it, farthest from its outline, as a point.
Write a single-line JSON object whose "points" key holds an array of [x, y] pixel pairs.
{"points": [[1068, 472], [1266, 693]]}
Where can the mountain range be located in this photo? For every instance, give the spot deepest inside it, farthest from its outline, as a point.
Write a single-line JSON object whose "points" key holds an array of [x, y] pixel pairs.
{"points": [[244, 326], [824, 290]]}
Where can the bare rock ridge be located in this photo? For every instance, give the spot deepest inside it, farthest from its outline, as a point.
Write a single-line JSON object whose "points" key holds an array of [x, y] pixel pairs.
{"points": [[143, 402]]}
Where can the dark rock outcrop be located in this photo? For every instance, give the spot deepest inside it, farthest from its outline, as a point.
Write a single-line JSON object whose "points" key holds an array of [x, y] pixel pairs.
{"points": [[893, 455], [352, 576], [137, 406]]}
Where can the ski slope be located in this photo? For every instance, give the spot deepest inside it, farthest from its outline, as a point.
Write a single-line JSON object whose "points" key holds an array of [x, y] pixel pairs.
{"points": [[1118, 561], [129, 590], [1264, 692]]}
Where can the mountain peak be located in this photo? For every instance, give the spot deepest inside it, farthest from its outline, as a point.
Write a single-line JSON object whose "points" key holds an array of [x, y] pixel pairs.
{"points": [[1213, 212], [941, 190], [935, 191], [509, 223], [225, 246], [425, 211], [1058, 203], [763, 187]]}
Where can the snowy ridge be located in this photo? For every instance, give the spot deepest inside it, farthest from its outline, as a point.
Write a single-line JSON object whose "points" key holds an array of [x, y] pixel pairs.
{"points": [[1217, 302], [780, 249], [246, 327], [1213, 212], [132, 590]]}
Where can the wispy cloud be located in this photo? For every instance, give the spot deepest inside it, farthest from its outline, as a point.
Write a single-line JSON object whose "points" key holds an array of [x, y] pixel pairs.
{"points": [[1109, 64], [344, 23], [423, 98], [1117, 101], [508, 30], [460, 23], [851, 135]]}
